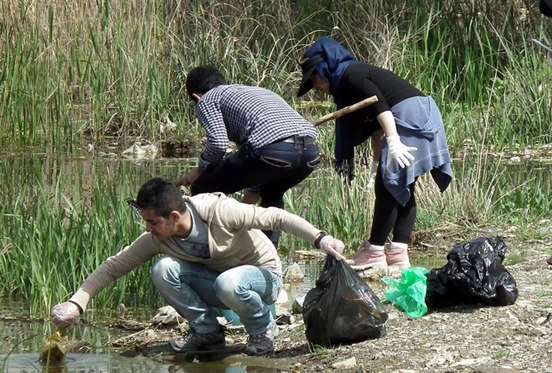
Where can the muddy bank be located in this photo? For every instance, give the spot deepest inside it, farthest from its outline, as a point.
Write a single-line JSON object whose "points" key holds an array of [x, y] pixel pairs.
{"points": [[455, 339]]}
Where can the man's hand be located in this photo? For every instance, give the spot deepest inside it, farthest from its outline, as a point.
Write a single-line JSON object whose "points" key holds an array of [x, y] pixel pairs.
{"points": [[65, 314], [332, 246], [398, 152], [190, 177]]}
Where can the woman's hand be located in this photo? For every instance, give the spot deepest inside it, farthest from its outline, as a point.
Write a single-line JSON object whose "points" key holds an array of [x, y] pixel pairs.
{"points": [[398, 152]]}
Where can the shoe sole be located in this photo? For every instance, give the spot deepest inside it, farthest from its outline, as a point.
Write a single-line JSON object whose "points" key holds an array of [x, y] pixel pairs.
{"points": [[259, 353], [219, 346]]}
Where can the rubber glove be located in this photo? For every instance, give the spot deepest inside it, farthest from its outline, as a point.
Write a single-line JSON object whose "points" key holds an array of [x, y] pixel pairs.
{"points": [[373, 173], [332, 246], [65, 314], [398, 152]]}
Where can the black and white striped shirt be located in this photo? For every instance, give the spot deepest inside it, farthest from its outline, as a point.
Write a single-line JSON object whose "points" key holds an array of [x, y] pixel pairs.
{"points": [[246, 114]]}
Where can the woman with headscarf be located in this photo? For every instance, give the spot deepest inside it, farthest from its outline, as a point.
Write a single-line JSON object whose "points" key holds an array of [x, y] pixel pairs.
{"points": [[408, 139]]}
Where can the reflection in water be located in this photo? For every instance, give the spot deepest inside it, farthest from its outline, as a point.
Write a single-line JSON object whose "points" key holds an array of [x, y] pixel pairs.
{"points": [[23, 363]]}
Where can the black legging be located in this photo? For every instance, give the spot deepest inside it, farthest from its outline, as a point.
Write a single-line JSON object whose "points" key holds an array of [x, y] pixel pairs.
{"points": [[389, 215]]}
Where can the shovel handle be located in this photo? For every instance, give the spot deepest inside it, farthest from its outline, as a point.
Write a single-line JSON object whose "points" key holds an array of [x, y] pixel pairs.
{"points": [[346, 110]]}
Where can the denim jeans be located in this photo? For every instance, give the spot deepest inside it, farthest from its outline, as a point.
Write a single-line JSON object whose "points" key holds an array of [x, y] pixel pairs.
{"points": [[274, 168], [195, 292]]}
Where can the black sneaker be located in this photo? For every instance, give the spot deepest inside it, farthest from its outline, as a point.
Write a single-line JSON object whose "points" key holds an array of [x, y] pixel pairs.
{"points": [[263, 343], [196, 341]]}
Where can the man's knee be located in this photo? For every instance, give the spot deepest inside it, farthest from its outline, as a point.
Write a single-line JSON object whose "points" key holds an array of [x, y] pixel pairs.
{"points": [[226, 288], [163, 270]]}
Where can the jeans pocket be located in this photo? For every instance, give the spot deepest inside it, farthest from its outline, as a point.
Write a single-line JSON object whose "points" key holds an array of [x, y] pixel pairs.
{"points": [[314, 163], [276, 162]]}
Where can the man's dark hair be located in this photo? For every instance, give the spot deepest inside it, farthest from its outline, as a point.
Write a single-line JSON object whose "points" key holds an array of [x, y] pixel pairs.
{"points": [[203, 78], [161, 196]]}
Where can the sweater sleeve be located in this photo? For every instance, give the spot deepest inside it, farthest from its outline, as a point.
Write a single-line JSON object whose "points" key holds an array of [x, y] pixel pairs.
{"points": [[137, 253], [245, 216]]}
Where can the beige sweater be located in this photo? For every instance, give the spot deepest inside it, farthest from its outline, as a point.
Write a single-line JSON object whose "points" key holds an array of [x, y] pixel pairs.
{"points": [[235, 238]]}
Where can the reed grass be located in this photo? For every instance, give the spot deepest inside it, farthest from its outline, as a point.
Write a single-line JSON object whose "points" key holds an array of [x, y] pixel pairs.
{"points": [[61, 218], [115, 69], [58, 229]]}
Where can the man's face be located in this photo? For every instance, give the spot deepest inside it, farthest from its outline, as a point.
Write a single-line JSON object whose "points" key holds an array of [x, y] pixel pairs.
{"points": [[160, 226], [319, 84]]}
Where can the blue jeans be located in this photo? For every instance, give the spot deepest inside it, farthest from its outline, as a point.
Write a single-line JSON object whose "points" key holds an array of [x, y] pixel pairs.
{"points": [[274, 168], [195, 292]]}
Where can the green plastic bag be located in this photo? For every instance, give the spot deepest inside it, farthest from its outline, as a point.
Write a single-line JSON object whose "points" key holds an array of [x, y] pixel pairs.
{"points": [[409, 293]]}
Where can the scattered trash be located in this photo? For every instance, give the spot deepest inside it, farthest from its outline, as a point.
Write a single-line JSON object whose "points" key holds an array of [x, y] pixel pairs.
{"points": [[409, 293], [342, 308], [167, 125], [54, 348], [137, 150], [167, 316]]}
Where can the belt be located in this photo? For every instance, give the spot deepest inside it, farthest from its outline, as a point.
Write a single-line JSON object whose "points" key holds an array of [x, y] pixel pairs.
{"points": [[304, 140]]}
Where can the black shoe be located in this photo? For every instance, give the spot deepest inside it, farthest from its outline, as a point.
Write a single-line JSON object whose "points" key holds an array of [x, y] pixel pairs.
{"points": [[196, 341], [263, 343]]}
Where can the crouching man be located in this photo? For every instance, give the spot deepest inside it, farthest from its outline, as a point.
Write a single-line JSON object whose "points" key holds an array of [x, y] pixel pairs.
{"points": [[215, 256]]}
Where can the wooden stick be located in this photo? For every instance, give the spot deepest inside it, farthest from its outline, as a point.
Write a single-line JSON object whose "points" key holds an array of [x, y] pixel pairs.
{"points": [[346, 110]]}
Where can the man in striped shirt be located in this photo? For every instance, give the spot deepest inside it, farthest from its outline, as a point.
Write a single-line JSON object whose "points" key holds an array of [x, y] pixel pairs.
{"points": [[276, 146]]}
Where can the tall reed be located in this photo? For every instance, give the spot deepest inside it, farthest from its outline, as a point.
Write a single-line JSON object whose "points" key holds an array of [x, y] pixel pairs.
{"points": [[57, 229], [94, 71], [61, 218]]}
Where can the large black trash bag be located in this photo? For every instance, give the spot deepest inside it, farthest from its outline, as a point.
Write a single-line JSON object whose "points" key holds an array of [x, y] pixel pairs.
{"points": [[474, 274], [342, 308]]}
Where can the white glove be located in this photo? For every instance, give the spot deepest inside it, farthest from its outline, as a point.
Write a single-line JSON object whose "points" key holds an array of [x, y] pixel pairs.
{"points": [[332, 246], [398, 152], [373, 172], [65, 314]]}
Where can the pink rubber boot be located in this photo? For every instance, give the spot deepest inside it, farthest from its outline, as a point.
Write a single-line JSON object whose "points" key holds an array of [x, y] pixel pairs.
{"points": [[368, 256], [397, 255]]}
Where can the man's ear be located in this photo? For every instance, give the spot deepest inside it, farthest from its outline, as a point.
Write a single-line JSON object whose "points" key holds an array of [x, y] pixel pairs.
{"points": [[177, 216]]}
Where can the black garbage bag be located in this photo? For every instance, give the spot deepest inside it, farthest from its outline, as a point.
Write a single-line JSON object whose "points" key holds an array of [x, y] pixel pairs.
{"points": [[342, 308], [473, 274]]}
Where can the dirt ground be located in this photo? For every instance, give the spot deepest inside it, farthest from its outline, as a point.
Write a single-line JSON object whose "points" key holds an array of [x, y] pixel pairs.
{"points": [[516, 338]]}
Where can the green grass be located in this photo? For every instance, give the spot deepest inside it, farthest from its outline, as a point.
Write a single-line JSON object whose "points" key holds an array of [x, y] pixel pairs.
{"points": [[319, 350], [113, 70], [501, 354], [61, 218], [515, 258], [109, 72]]}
